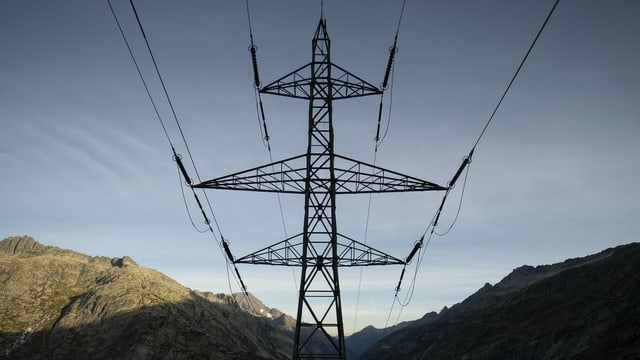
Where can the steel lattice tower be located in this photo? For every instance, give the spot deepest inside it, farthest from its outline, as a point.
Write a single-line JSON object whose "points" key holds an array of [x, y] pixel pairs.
{"points": [[320, 175]]}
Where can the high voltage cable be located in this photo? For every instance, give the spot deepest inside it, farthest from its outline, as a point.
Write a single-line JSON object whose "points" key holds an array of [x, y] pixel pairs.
{"points": [[222, 243], [144, 82], [146, 87], [400, 19], [262, 126], [467, 160], [366, 233], [390, 70], [259, 107], [186, 207], [155, 108], [173, 112], [455, 219], [515, 75], [155, 65], [421, 252], [378, 140], [166, 93]]}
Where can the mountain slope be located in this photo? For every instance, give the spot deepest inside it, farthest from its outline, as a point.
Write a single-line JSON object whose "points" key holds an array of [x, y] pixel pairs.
{"points": [[360, 341], [586, 308], [59, 304]]}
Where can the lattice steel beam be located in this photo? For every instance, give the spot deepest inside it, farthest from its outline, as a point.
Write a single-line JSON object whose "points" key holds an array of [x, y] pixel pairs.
{"points": [[343, 84], [289, 176], [288, 252]]}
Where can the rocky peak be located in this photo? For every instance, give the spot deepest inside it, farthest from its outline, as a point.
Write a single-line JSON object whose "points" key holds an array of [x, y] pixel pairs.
{"points": [[21, 245], [123, 262], [526, 275]]}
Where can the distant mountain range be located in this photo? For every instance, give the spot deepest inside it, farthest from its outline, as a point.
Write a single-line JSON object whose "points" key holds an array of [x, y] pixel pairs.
{"points": [[60, 304], [586, 308]]}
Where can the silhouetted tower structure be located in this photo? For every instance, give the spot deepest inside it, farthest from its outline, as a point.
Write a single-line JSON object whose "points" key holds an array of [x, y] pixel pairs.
{"points": [[320, 175]]}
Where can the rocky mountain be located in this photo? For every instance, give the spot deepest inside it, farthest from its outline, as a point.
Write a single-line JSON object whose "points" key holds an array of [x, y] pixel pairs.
{"points": [[360, 341], [252, 305], [586, 308], [59, 304]]}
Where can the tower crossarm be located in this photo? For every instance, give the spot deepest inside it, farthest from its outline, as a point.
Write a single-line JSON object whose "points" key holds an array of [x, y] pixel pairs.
{"points": [[347, 85], [288, 252], [353, 176], [285, 176], [354, 253], [289, 175], [297, 84]]}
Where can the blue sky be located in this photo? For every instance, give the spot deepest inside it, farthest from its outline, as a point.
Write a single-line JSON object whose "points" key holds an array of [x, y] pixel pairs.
{"points": [[86, 166]]}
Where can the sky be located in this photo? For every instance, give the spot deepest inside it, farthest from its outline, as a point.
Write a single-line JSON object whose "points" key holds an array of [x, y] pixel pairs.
{"points": [[86, 165]]}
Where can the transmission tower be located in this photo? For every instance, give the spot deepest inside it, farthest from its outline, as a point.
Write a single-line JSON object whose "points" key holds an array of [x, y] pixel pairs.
{"points": [[320, 174]]}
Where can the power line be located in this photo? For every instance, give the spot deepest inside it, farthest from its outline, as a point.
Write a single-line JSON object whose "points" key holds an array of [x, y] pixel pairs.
{"points": [[379, 139], [262, 126], [390, 70], [186, 207], [366, 234], [148, 92], [466, 161], [455, 219], [173, 112], [400, 18], [264, 132], [222, 243], [146, 87], [515, 75]]}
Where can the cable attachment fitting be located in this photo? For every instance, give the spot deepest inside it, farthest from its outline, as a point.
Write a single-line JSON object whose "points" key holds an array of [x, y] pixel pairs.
{"points": [[244, 287], [465, 161], [225, 245], [377, 138], [415, 249], [400, 281], [178, 158], [204, 214], [264, 123], [437, 218]]}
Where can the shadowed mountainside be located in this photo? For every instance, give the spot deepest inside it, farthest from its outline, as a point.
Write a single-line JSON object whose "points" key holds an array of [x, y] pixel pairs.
{"points": [[254, 306], [586, 308], [59, 304]]}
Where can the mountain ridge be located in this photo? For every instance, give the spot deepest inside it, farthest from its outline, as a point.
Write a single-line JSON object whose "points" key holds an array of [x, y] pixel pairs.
{"points": [[54, 299], [582, 308]]}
